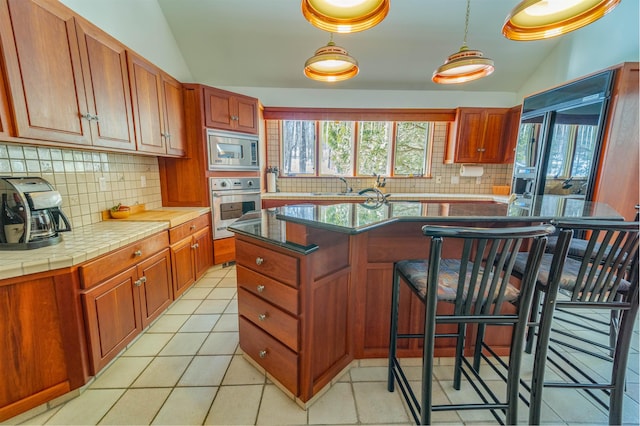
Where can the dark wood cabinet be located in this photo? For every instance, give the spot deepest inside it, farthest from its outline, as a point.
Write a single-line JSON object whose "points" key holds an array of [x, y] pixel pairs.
{"points": [[478, 135], [191, 252], [230, 111]]}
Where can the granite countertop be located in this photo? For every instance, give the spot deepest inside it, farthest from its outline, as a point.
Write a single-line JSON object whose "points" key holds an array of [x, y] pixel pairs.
{"points": [[352, 218], [87, 242]]}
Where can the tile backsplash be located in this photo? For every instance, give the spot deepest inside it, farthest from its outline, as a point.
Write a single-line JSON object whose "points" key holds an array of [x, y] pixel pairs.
{"points": [[494, 174], [89, 182]]}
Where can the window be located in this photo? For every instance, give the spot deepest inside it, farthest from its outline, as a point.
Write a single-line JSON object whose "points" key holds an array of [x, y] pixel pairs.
{"points": [[350, 148], [572, 150]]}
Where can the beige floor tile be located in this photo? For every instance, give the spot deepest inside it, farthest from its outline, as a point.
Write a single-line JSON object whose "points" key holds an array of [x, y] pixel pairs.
{"points": [[121, 373], [212, 307], [563, 402], [168, 323], [439, 398], [377, 405], [87, 409], [200, 323], [216, 272], [229, 281], [186, 406], [208, 282], [369, 374], [224, 343], [136, 407], [148, 344], [373, 362], [278, 409], [197, 293], [225, 293], [184, 344], [227, 323], [232, 307], [235, 405], [205, 371], [240, 372], [336, 406], [28, 417], [466, 394], [184, 306], [163, 372]]}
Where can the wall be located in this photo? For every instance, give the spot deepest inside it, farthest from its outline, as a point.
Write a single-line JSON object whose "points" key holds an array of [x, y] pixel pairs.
{"points": [[494, 174], [76, 175], [123, 20]]}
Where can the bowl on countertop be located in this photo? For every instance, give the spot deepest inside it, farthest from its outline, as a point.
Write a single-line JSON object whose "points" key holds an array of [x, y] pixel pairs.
{"points": [[121, 213]]}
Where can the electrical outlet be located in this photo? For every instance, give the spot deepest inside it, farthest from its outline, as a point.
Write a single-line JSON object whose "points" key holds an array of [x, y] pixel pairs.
{"points": [[455, 180], [143, 181], [102, 182], [438, 179]]}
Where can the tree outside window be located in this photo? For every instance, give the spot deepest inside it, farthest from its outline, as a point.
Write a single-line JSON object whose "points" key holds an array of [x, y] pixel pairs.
{"points": [[336, 148], [374, 144], [299, 147], [412, 142]]}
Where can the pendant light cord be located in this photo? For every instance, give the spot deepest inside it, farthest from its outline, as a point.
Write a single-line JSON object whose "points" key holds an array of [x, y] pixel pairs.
{"points": [[466, 23]]}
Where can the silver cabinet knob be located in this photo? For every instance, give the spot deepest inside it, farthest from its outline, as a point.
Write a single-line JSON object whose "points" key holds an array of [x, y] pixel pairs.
{"points": [[192, 227], [137, 253], [259, 261], [86, 116], [262, 317], [260, 288], [137, 283], [143, 280], [262, 353]]}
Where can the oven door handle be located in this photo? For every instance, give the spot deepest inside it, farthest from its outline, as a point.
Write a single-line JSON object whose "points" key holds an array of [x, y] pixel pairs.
{"points": [[217, 194]]}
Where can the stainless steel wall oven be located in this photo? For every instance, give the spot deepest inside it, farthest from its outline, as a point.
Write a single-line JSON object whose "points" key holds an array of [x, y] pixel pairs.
{"points": [[230, 199]]}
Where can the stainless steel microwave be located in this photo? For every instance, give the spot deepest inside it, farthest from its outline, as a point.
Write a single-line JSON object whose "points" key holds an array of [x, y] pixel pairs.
{"points": [[232, 151]]}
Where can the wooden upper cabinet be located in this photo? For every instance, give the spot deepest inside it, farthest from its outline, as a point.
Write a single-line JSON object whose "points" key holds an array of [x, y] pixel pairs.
{"points": [[510, 138], [106, 81], [148, 110], [44, 73], [230, 111], [6, 127], [174, 128], [477, 136]]}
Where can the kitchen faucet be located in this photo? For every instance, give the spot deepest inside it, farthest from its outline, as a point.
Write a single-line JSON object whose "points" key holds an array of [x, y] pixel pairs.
{"points": [[347, 188]]}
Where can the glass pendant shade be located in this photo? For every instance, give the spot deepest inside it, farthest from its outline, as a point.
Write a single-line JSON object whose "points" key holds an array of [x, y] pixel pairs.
{"points": [[345, 16], [541, 19], [463, 66], [331, 63]]}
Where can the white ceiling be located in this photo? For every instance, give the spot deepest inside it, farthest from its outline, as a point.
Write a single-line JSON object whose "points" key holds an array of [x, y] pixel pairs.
{"points": [[264, 43]]}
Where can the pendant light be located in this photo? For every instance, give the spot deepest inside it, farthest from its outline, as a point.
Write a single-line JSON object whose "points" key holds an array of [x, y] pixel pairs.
{"points": [[331, 63], [540, 19], [345, 16], [464, 65]]}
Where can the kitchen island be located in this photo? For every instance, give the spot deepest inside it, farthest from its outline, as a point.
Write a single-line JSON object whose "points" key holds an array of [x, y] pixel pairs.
{"points": [[314, 281]]}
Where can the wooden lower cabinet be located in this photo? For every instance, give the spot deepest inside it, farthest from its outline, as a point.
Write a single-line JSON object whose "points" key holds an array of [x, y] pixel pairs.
{"points": [[280, 329], [118, 307], [43, 353], [191, 252], [224, 250]]}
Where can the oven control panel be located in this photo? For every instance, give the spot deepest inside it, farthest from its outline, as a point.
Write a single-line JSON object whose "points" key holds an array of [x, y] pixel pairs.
{"points": [[235, 184]]}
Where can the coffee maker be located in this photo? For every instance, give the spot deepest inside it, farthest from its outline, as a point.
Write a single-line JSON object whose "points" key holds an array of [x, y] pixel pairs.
{"points": [[30, 214]]}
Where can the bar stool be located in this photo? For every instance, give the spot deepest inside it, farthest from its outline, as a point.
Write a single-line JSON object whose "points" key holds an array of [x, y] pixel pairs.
{"points": [[605, 279], [477, 284]]}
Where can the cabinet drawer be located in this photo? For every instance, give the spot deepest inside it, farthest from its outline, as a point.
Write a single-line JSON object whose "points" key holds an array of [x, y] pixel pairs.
{"points": [[269, 289], [108, 265], [271, 319], [272, 355], [189, 228], [270, 263]]}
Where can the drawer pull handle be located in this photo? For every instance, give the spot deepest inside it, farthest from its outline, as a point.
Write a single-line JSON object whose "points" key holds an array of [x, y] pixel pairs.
{"points": [[262, 353], [262, 317], [137, 253], [260, 288], [259, 260], [195, 246], [192, 227]]}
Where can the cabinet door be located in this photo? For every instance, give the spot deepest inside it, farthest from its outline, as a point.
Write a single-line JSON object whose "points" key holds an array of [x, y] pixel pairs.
{"points": [[5, 122], [218, 109], [43, 71], [107, 87], [491, 150], [174, 129], [182, 266], [154, 278], [203, 254], [247, 114], [146, 95], [470, 125], [112, 312]]}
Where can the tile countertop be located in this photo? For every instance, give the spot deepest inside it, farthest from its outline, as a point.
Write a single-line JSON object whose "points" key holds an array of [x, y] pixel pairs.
{"points": [[408, 196], [87, 242]]}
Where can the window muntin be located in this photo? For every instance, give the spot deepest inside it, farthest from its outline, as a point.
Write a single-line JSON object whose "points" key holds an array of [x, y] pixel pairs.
{"points": [[336, 147], [298, 147]]}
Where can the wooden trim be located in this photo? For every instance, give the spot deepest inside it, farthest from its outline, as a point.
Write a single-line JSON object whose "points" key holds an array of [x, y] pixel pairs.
{"points": [[34, 400], [359, 114]]}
